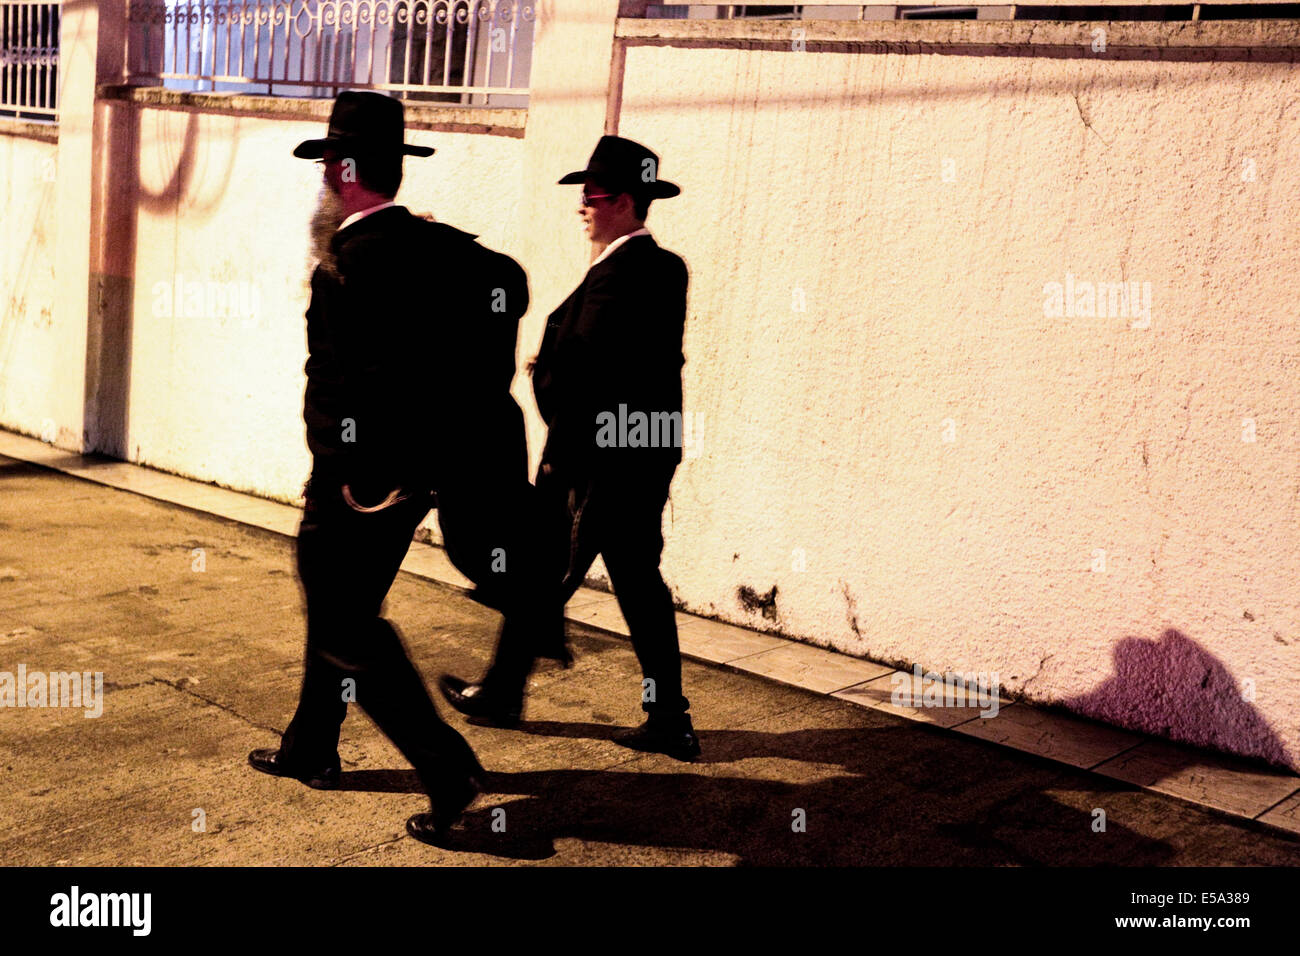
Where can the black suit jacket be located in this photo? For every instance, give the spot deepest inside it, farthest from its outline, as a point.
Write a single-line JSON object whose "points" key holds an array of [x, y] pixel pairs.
{"points": [[399, 344], [611, 358]]}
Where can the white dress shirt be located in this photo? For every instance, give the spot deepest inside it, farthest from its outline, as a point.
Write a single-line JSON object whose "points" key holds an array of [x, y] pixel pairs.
{"points": [[643, 231], [358, 216]]}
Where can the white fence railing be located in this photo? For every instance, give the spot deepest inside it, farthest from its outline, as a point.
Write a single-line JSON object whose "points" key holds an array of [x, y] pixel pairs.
{"points": [[29, 59], [475, 52]]}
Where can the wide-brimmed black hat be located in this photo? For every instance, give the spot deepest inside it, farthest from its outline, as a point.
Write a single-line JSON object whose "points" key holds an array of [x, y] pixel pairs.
{"points": [[625, 166], [363, 122]]}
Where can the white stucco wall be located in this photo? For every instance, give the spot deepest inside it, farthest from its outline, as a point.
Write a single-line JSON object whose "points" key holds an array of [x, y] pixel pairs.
{"points": [[890, 433], [822, 176], [31, 352], [219, 397]]}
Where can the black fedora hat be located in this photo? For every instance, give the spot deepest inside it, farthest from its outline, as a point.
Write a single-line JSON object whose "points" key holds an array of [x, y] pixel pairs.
{"points": [[363, 121], [626, 166]]}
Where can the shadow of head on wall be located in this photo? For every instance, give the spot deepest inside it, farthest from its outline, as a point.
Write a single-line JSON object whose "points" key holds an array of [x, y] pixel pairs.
{"points": [[1173, 687]]}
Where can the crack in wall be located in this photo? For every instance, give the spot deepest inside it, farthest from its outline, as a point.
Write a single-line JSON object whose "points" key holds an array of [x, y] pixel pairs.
{"points": [[1034, 676], [1086, 121], [852, 609]]}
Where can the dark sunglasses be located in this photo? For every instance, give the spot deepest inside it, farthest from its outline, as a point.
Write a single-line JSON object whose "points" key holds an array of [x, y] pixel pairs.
{"points": [[589, 199]]}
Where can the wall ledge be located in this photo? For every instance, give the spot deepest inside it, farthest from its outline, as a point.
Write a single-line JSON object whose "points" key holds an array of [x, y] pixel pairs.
{"points": [[31, 129], [1261, 40], [492, 121]]}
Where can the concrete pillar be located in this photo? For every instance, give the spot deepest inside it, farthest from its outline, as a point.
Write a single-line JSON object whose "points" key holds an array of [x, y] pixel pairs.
{"points": [[91, 51]]}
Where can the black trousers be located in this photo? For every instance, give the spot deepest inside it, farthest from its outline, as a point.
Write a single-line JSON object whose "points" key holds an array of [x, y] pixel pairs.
{"points": [[347, 561], [618, 515]]}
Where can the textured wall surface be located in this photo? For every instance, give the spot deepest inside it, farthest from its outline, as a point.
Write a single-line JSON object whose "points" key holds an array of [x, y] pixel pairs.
{"points": [[29, 340], [217, 393], [927, 460], [910, 434]]}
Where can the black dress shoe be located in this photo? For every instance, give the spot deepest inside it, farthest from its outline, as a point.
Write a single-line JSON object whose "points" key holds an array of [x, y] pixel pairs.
{"points": [[672, 736], [449, 804], [473, 701], [268, 760]]}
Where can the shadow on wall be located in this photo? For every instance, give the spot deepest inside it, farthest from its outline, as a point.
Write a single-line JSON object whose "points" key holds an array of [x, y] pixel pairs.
{"points": [[112, 291], [1174, 688]]}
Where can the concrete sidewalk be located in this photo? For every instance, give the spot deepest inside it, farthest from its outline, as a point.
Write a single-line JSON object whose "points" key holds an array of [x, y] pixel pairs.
{"points": [[200, 666]]}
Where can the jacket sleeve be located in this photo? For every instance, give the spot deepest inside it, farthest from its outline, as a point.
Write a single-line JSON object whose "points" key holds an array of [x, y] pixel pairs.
{"points": [[593, 351], [382, 339]]}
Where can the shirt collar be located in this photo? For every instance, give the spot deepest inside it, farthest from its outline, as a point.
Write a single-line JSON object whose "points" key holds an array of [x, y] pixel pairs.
{"points": [[643, 231], [358, 216]]}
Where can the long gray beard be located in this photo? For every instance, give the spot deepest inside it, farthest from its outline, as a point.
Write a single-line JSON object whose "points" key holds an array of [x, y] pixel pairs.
{"points": [[325, 221]]}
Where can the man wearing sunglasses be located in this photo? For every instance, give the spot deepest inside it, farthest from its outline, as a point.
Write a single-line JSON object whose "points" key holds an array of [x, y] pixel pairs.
{"points": [[611, 354]]}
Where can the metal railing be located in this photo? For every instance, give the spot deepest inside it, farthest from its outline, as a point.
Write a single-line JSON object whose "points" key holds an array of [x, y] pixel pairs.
{"points": [[29, 59], [472, 52]]}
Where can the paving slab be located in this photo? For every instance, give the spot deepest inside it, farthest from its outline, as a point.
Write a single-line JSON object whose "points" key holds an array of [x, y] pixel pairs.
{"points": [[721, 643], [811, 667], [1221, 782], [1080, 743], [892, 693]]}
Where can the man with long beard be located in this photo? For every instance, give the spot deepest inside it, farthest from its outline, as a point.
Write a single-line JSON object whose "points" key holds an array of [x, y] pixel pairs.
{"points": [[369, 411]]}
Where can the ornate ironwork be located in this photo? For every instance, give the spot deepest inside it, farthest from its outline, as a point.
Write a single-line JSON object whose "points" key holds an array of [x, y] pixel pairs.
{"points": [[458, 49], [29, 58]]}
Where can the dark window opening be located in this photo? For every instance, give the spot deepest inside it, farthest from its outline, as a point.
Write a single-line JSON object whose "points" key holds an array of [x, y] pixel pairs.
{"points": [[938, 13], [1182, 12], [1250, 11]]}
